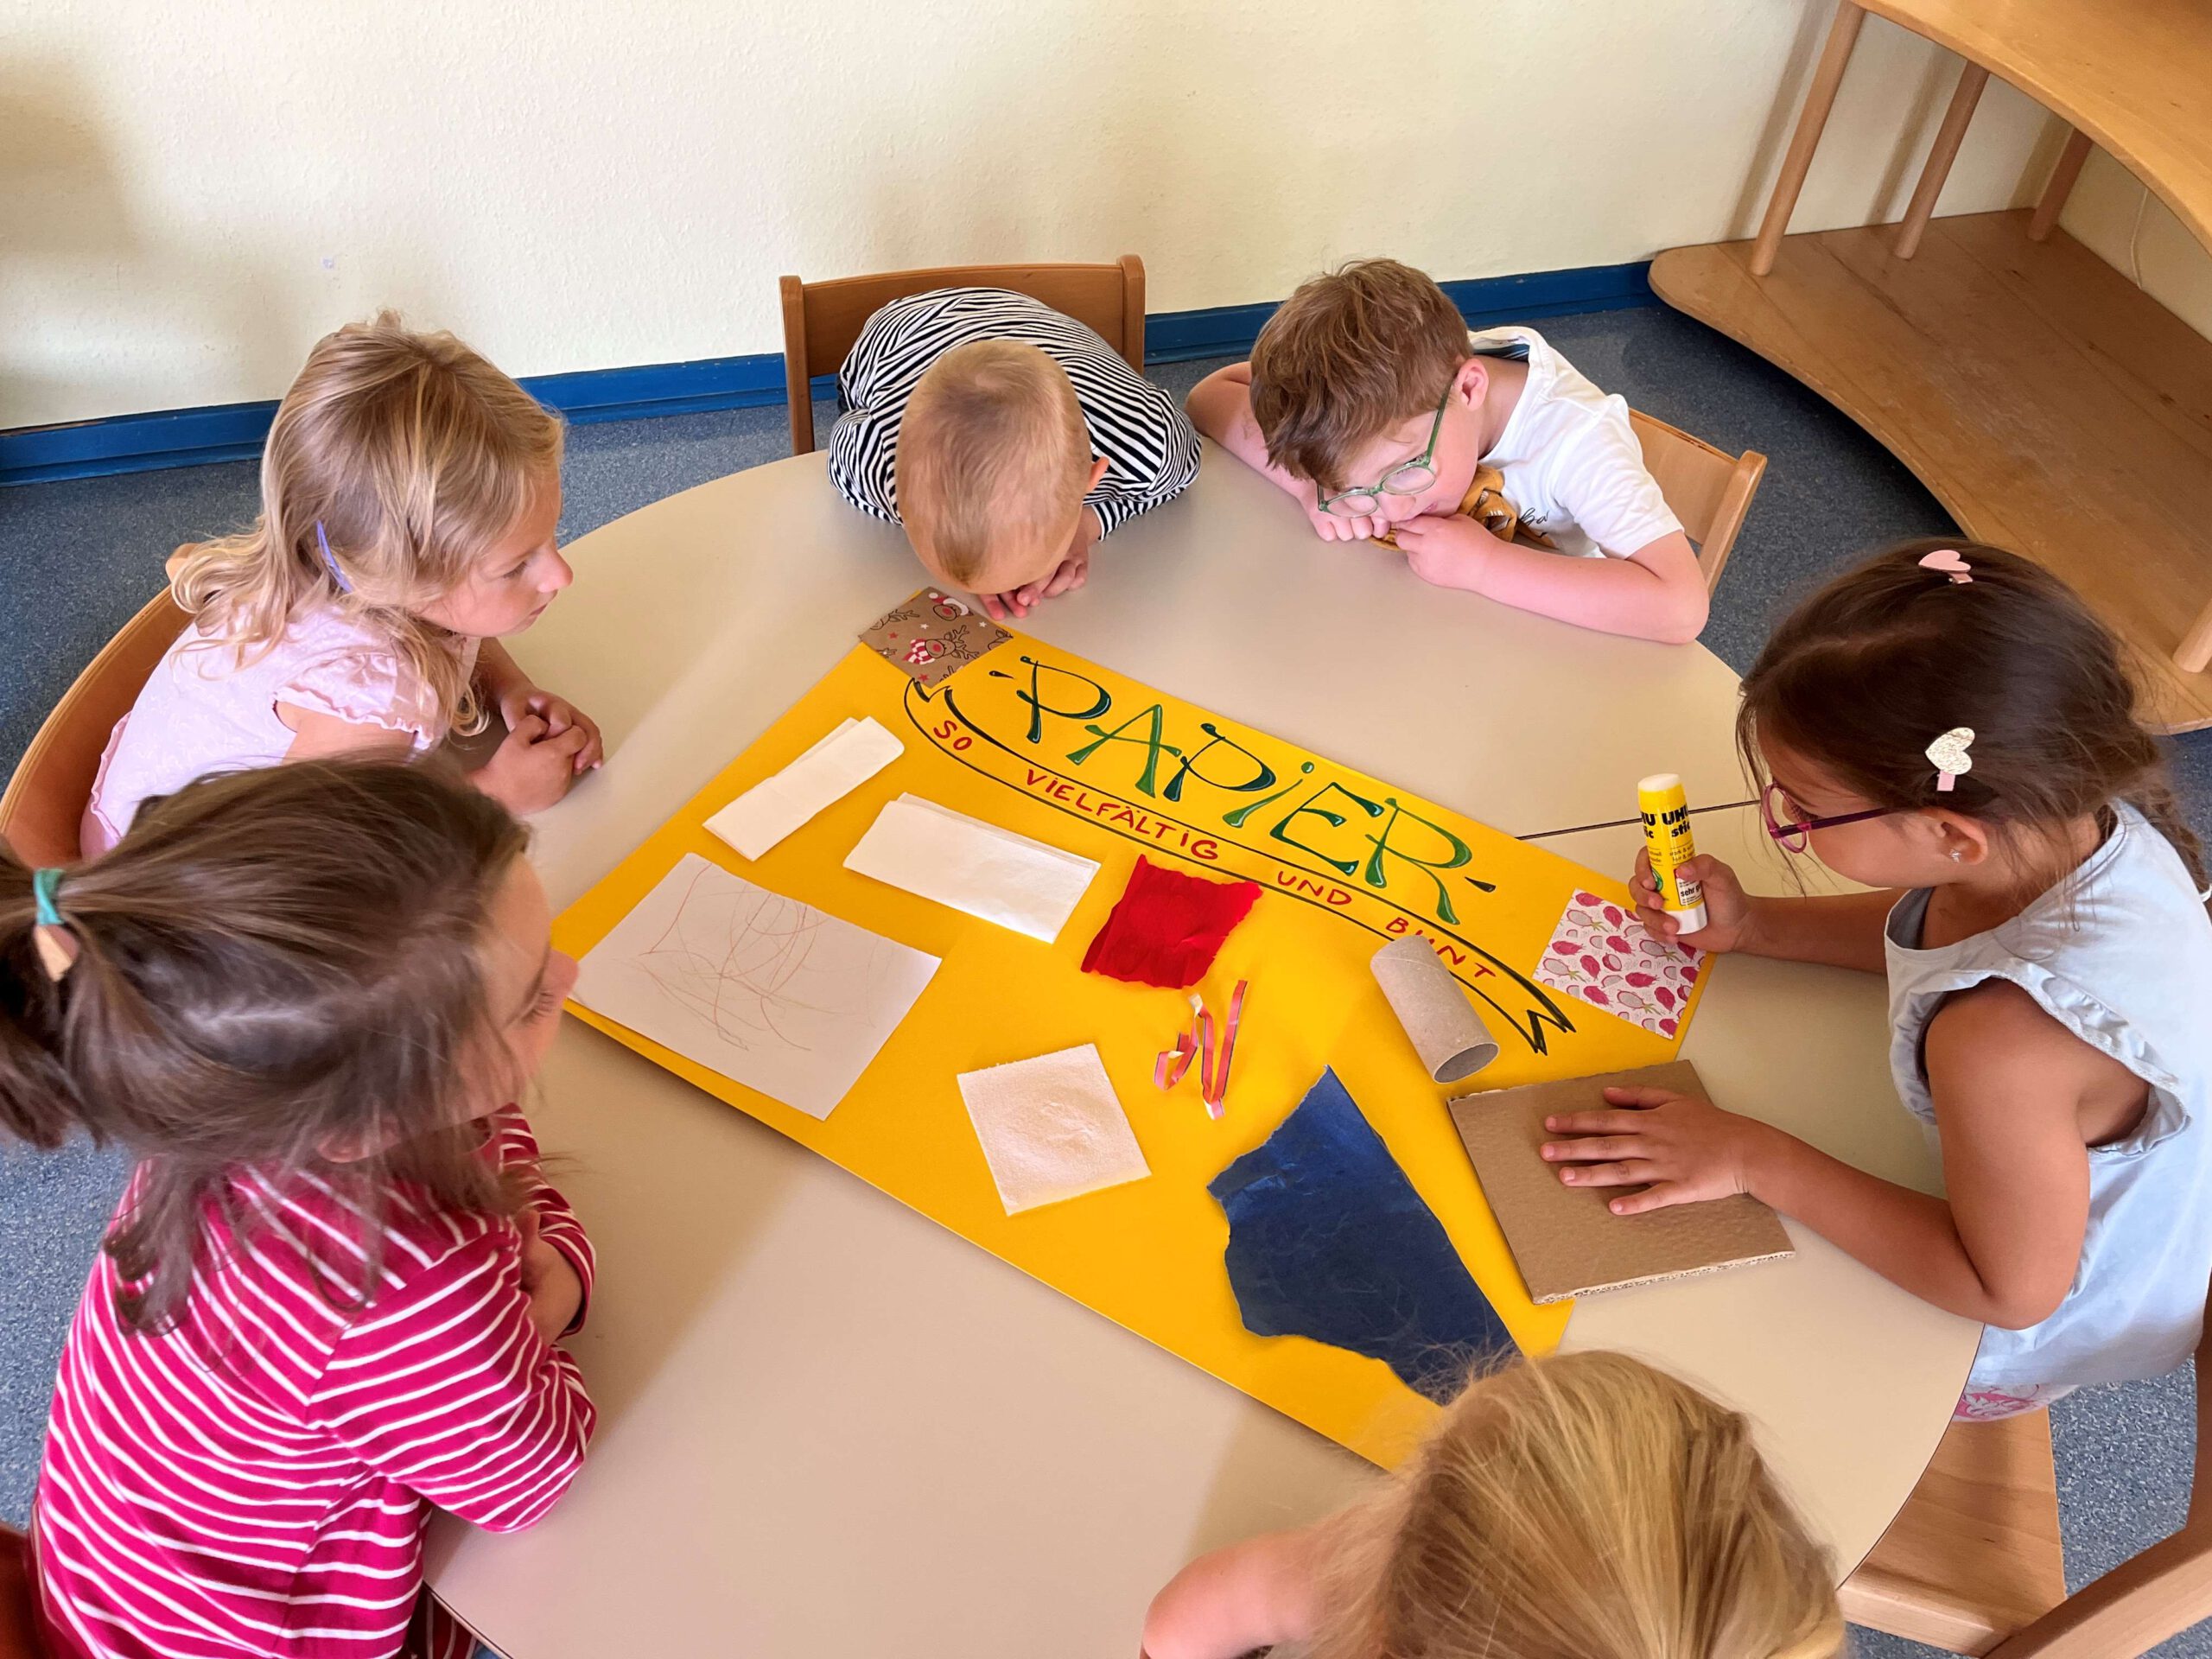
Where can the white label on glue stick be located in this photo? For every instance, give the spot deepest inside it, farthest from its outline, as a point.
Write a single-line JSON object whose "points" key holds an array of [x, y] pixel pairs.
{"points": [[1666, 818]]}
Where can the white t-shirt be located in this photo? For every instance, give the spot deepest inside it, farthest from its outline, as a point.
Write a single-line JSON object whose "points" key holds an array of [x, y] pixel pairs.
{"points": [[1572, 468]]}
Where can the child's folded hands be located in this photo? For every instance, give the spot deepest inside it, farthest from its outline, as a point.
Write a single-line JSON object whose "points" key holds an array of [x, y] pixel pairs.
{"points": [[551, 1284], [1333, 527]]}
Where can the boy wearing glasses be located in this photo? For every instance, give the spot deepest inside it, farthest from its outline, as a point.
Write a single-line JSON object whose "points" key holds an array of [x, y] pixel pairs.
{"points": [[1483, 457]]}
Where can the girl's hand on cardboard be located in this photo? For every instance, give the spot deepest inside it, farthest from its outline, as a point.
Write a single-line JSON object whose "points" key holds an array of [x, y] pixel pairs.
{"points": [[559, 714], [1679, 1148], [1446, 549], [1727, 907]]}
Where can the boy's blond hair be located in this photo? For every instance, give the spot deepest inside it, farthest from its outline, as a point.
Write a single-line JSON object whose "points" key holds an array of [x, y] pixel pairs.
{"points": [[1350, 355], [415, 455], [992, 445], [1583, 1506]]}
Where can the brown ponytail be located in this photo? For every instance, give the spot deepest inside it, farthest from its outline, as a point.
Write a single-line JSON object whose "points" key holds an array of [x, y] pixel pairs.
{"points": [[275, 970], [38, 1099], [1867, 672]]}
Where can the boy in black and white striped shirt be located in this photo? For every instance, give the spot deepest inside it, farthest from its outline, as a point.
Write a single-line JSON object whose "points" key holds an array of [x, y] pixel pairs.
{"points": [[1006, 438]]}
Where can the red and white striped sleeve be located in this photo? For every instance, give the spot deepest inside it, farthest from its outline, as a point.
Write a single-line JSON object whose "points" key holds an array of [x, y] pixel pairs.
{"points": [[556, 1223], [444, 1386]]}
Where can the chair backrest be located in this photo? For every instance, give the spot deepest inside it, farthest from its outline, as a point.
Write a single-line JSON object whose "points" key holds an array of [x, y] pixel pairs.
{"points": [[1709, 490], [44, 804], [19, 1621], [2150, 1596], [822, 320]]}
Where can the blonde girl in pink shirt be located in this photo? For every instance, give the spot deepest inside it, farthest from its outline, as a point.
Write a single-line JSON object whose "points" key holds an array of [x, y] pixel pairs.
{"points": [[411, 493]]}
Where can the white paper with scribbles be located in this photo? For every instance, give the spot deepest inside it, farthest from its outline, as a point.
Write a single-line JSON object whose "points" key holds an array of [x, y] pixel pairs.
{"points": [[771, 993]]}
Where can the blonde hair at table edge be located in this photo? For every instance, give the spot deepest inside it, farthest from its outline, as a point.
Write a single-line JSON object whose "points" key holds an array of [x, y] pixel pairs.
{"points": [[993, 460], [1585, 1506]]}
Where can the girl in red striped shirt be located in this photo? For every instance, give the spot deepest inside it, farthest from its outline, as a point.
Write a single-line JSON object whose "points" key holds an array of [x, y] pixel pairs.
{"points": [[332, 1295]]}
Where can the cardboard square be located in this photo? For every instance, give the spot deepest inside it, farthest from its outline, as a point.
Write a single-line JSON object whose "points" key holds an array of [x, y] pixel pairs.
{"points": [[1564, 1239], [932, 636]]}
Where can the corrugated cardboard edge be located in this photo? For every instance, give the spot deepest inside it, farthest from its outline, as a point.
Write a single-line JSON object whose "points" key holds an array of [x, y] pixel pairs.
{"points": [[1660, 1278]]}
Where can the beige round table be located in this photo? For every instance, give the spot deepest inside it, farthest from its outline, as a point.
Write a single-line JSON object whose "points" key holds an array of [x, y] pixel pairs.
{"points": [[830, 1428]]}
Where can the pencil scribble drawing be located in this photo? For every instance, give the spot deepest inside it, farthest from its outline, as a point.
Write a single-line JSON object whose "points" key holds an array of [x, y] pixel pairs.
{"points": [[769, 992], [732, 958]]}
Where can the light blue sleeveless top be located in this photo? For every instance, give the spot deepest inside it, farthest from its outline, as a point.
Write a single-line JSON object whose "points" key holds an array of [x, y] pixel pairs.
{"points": [[2120, 954]]}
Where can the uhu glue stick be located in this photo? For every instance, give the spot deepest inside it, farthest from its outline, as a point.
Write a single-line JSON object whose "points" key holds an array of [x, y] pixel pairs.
{"points": [[1666, 813]]}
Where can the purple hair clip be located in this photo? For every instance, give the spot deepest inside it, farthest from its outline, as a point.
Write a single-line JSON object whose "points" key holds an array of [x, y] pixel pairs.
{"points": [[329, 560], [1951, 562]]}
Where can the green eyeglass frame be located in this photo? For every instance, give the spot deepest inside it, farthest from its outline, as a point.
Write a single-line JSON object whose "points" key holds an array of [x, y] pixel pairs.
{"points": [[1407, 478]]}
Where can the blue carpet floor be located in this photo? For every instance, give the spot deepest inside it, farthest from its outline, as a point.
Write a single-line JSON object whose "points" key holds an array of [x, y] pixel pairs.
{"points": [[80, 556]]}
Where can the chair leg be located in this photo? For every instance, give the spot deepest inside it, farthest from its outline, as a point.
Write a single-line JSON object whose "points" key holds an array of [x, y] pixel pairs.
{"points": [[1945, 150], [1797, 161], [2196, 652], [2061, 186]]}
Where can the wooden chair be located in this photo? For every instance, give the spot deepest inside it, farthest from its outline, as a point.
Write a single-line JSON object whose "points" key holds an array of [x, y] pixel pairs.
{"points": [[822, 320], [1709, 489], [1971, 1562], [19, 1634], [44, 804]]}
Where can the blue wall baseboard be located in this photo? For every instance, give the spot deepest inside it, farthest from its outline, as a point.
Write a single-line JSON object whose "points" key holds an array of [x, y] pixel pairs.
{"points": [[191, 437]]}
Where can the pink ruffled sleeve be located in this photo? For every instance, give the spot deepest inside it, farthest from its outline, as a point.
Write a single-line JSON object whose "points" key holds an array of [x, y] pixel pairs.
{"points": [[365, 686]]}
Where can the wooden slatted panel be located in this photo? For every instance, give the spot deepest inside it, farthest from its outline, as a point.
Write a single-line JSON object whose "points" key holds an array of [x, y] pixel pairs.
{"points": [[2049, 404]]}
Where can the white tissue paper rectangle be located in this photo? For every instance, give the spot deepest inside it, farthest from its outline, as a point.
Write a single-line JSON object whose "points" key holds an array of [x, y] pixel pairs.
{"points": [[774, 994], [973, 865], [1051, 1129], [853, 752]]}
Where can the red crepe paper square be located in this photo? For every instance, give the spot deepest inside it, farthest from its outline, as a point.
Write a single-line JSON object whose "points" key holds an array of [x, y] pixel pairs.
{"points": [[1168, 927]]}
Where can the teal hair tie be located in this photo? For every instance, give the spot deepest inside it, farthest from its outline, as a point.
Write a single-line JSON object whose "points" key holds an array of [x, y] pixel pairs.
{"points": [[44, 884]]}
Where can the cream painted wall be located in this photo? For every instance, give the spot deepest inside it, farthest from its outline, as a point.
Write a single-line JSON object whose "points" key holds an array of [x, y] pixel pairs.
{"points": [[2112, 213], [190, 193]]}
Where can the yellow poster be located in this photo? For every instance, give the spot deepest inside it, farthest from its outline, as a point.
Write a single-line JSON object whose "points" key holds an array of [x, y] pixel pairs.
{"points": [[1050, 746]]}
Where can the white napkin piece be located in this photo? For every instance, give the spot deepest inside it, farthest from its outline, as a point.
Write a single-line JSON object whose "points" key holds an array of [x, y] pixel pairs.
{"points": [[1051, 1129], [973, 865], [853, 752]]}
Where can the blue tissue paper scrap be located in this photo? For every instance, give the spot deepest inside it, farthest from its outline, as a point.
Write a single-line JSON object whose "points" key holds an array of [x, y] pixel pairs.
{"points": [[1327, 1239]]}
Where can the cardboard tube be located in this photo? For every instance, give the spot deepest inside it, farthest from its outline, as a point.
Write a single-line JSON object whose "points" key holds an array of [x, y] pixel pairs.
{"points": [[1446, 1032]]}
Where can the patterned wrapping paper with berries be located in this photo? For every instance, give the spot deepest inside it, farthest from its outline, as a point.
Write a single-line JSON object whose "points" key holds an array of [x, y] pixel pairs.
{"points": [[1600, 953]]}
